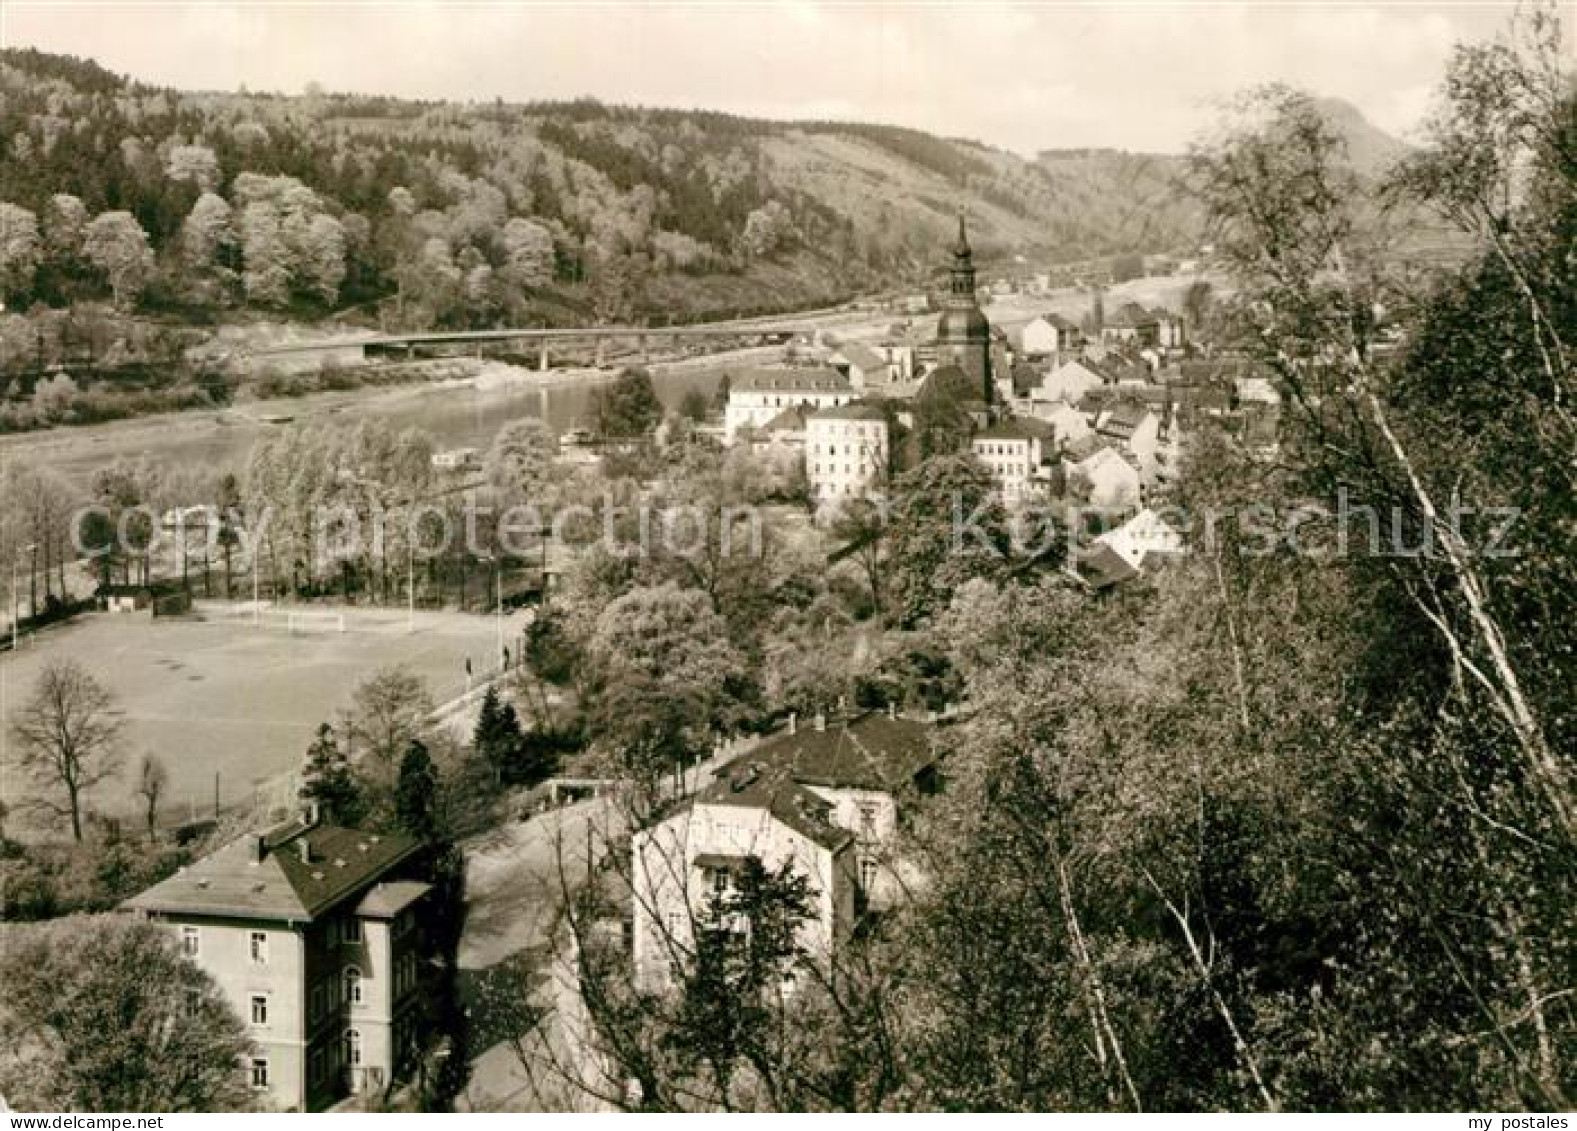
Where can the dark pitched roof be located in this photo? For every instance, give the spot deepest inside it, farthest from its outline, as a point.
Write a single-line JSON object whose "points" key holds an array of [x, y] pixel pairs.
{"points": [[1026, 377], [1017, 428], [872, 751], [1103, 566], [789, 420], [1130, 315], [265, 877]]}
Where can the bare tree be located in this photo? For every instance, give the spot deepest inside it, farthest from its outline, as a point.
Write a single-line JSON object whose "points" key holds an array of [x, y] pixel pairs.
{"points": [[67, 737], [153, 781]]}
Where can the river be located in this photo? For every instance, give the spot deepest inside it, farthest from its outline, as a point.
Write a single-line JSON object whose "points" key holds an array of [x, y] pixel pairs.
{"points": [[456, 414]]}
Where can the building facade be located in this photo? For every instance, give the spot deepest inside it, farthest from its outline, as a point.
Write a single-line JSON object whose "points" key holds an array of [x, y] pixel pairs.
{"points": [[1019, 454], [825, 798], [311, 932], [846, 452], [756, 398]]}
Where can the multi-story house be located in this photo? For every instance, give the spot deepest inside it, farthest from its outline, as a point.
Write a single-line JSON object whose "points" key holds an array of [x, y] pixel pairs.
{"points": [[823, 798], [1018, 453], [311, 932], [846, 452], [756, 398]]}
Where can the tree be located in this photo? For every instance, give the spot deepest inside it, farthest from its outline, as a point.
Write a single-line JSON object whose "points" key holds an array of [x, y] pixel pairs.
{"points": [[327, 781], [497, 738], [207, 236], [104, 1014], [947, 527], [389, 710], [193, 163], [117, 246], [861, 526], [65, 225], [695, 405], [416, 794], [520, 464], [67, 735], [153, 782], [20, 251], [628, 409], [529, 248]]}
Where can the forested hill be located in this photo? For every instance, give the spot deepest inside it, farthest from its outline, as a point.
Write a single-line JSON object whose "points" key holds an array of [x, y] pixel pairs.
{"points": [[470, 214]]}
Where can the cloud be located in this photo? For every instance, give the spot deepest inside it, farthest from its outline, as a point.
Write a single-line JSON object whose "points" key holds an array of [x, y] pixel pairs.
{"points": [[1140, 76]]}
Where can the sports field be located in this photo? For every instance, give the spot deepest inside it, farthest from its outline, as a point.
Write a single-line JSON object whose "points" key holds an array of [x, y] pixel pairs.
{"points": [[222, 696]]}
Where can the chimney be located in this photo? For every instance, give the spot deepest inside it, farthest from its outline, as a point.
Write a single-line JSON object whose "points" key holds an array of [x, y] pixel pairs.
{"points": [[892, 709], [793, 722], [311, 814], [821, 721], [259, 849], [304, 846]]}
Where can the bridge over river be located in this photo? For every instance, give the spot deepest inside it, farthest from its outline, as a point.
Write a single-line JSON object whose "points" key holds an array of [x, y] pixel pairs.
{"points": [[353, 350]]}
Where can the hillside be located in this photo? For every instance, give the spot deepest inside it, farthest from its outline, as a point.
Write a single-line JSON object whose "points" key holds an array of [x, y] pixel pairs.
{"points": [[449, 214]]}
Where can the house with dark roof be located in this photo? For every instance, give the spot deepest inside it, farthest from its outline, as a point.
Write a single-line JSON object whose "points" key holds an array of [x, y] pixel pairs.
{"points": [[823, 798], [311, 932]]}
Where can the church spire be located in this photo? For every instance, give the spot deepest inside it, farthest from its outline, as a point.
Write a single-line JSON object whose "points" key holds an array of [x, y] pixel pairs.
{"points": [[961, 290], [961, 247]]}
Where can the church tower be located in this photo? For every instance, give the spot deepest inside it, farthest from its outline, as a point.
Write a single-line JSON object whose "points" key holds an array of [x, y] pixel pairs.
{"points": [[963, 336]]}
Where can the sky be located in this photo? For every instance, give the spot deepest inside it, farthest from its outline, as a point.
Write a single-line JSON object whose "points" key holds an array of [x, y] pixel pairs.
{"points": [[1143, 76]]}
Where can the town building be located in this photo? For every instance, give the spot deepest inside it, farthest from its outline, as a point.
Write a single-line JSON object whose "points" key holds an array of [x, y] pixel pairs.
{"points": [[866, 369], [755, 398], [826, 798], [1049, 334], [1138, 545], [846, 452], [1067, 422], [1137, 428], [1018, 452], [963, 335], [1102, 476], [311, 933]]}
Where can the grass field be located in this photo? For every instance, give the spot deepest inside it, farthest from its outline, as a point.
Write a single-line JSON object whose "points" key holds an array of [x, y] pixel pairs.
{"points": [[227, 698]]}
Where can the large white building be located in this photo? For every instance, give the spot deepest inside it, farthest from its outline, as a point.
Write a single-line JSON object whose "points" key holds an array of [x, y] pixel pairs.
{"points": [[757, 397], [846, 449], [823, 798], [1050, 334]]}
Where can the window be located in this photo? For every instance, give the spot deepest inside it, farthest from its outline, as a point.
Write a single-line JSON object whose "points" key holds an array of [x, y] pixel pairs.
{"points": [[675, 924], [191, 941], [353, 985], [353, 1047], [867, 875], [259, 947], [351, 931], [867, 820], [260, 1009], [259, 1073]]}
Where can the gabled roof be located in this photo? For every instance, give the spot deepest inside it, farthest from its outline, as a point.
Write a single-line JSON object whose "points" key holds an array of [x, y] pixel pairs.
{"points": [[1017, 428], [799, 379], [1103, 566], [872, 751], [1130, 316], [265, 876], [789, 420], [862, 356]]}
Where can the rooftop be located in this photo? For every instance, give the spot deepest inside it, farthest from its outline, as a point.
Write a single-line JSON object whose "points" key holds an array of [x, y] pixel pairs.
{"points": [[1017, 428], [797, 379], [872, 751], [294, 872]]}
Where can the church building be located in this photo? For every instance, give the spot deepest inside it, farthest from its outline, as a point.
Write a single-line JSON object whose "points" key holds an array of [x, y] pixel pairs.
{"points": [[963, 336]]}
